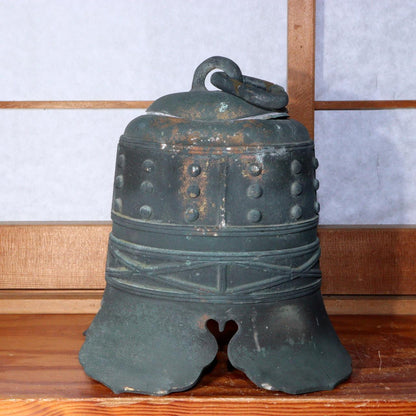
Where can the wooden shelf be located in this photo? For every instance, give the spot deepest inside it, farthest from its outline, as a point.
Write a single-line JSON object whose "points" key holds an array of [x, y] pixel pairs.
{"points": [[365, 105], [40, 374]]}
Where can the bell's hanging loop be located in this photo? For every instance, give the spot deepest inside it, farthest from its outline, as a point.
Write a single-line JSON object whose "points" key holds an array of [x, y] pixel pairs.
{"points": [[215, 62], [253, 90]]}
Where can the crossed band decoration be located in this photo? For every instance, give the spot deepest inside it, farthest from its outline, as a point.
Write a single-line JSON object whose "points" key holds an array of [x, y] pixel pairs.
{"points": [[140, 269]]}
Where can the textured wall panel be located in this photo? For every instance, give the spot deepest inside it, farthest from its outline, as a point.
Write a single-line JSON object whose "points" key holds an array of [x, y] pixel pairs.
{"points": [[59, 164], [365, 49], [367, 166]]}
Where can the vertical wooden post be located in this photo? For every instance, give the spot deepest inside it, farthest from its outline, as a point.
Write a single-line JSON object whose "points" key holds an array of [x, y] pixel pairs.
{"points": [[301, 61]]}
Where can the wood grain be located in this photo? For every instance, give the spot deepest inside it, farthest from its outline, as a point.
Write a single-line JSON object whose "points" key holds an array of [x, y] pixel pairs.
{"points": [[20, 301], [53, 255], [40, 375], [301, 61], [370, 305], [355, 260], [56, 105], [206, 407], [365, 105], [88, 301], [368, 260]]}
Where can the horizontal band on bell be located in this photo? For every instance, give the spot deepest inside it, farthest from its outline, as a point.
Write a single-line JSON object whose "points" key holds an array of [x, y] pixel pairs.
{"points": [[225, 256], [168, 270], [207, 230], [178, 295], [210, 238], [223, 146]]}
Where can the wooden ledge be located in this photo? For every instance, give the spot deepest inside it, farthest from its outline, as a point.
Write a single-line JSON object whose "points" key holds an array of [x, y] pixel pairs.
{"points": [[40, 374], [87, 301]]}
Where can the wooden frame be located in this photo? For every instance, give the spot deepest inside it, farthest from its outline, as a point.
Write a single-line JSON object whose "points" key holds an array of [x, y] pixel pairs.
{"points": [[301, 71], [301, 61], [365, 105], [32, 269]]}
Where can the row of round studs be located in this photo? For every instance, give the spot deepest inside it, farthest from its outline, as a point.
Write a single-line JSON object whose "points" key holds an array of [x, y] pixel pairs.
{"points": [[254, 191], [146, 186], [296, 188], [191, 214], [119, 181]]}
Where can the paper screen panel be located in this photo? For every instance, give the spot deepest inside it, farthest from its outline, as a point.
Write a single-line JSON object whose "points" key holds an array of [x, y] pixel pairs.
{"points": [[132, 49], [367, 166], [58, 165], [365, 50]]}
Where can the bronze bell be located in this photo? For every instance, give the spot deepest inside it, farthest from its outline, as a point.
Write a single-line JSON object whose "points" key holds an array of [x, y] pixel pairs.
{"points": [[214, 217]]}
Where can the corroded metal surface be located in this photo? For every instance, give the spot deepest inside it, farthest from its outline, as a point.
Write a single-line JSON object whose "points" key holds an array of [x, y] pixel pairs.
{"points": [[214, 217]]}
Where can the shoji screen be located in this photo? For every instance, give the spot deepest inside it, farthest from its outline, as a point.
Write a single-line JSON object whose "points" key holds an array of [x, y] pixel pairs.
{"points": [[56, 163], [366, 58]]}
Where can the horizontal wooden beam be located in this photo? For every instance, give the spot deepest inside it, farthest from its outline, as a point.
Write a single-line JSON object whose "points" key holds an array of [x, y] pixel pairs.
{"points": [[73, 105], [120, 104], [368, 260], [298, 114], [370, 305], [365, 105], [53, 255], [88, 301], [50, 301]]}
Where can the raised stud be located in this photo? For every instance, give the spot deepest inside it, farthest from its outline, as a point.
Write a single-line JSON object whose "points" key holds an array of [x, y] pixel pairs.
{"points": [[118, 205], [315, 163], [254, 169], [296, 167], [193, 191], [121, 161], [296, 212], [146, 212], [146, 187], [254, 191], [194, 169], [317, 206], [148, 166], [191, 214], [119, 182], [296, 189], [254, 215], [315, 183]]}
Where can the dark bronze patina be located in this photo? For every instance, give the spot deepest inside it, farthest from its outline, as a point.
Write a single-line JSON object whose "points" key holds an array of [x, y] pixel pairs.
{"points": [[214, 217]]}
